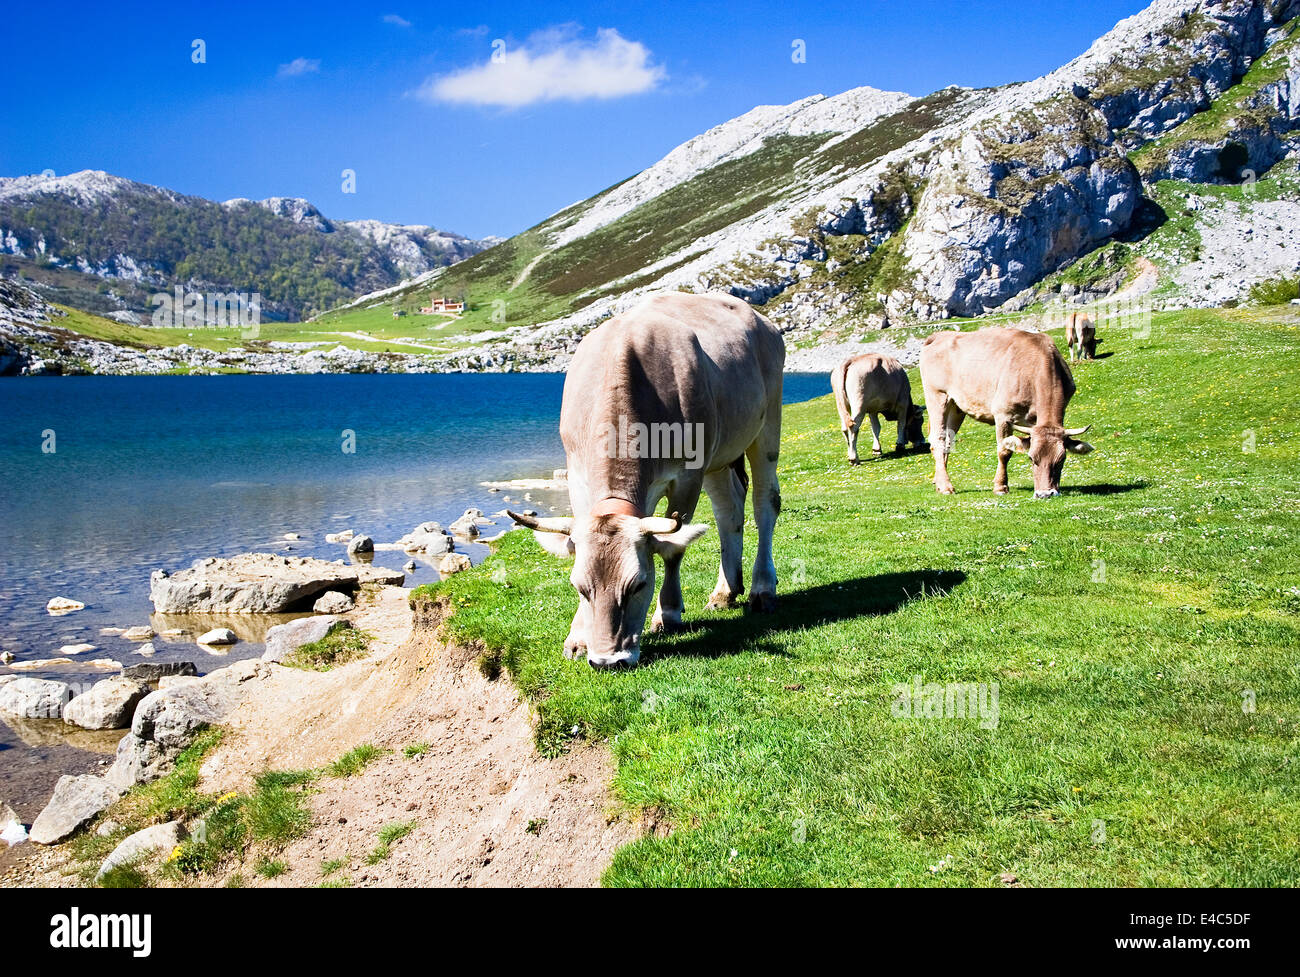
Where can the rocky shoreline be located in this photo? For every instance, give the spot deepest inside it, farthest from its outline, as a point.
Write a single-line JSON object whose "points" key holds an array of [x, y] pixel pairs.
{"points": [[162, 706]]}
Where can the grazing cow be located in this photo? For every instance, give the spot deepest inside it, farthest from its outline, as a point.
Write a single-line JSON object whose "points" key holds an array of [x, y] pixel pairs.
{"points": [[1018, 382], [871, 385], [663, 401], [1081, 336]]}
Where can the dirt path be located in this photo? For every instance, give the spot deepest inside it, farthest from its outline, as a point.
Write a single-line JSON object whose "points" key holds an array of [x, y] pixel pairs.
{"points": [[485, 808]]}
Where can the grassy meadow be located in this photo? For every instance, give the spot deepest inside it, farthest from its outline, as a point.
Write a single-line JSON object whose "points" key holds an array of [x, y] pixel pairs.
{"points": [[1142, 631]]}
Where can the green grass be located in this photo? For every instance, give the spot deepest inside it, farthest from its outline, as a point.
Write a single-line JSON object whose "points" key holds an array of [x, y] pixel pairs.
{"points": [[271, 868], [1126, 622], [355, 760], [342, 643], [413, 750], [389, 835], [329, 867]]}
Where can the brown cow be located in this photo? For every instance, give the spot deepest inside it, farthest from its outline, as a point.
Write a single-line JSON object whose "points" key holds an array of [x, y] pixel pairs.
{"points": [[871, 385], [665, 401], [1081, 336], [1018, 382]]}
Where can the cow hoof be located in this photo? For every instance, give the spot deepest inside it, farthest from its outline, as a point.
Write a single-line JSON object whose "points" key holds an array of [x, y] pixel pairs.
{"points": [[999, 491], [855, 462], [945, 490], [761, 603], [665, 625]]}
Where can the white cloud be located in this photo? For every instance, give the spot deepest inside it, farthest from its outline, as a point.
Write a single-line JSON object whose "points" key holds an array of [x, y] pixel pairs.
{"points": [[552, 65], [299, 66], [397, 20]]}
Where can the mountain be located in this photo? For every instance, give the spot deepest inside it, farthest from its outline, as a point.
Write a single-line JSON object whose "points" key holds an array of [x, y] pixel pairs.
{"points": [[871, 208], [106, 244]]}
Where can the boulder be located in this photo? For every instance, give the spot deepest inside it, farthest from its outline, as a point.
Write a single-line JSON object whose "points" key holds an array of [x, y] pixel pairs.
{"points": [[333, 602], [361, 544], [62, 605], [153, 671], [168, 681], [467, 525], [283, 639], [77, 649], [140, 633], [167, 721], [146, 649], [34, 698], [110, 704], [150, 840], [218, 636], [76, 801], [258, 583], [453, 563]]}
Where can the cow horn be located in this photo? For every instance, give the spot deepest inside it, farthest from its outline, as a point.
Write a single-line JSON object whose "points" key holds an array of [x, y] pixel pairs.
{"points": [[1074, 432], [661, 526], [1021, 429], [542, 525]]}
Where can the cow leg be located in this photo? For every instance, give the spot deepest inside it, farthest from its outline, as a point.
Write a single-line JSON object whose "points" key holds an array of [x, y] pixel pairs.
{"points": [[683, 497], [763, 455], [875, 432], [940, 407], [575, 645], [1003, 430], [851, 437], [901, 444], [726, 490]]}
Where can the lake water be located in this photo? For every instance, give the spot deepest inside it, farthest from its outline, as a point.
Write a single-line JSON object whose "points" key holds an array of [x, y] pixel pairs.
{"points": [[156, 472]]}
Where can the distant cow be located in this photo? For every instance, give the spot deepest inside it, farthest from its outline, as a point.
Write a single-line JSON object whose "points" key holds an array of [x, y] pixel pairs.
{"points": [[868, 386], [1081, 336], [1018, 382], [665, 400]]}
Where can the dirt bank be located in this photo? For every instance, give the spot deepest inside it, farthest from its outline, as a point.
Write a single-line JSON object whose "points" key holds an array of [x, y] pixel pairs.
{"points": [[486, 809]]}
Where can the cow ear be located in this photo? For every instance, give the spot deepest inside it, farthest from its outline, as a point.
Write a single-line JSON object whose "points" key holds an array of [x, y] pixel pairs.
{"points": [[1014, 443], [1077, 447], [674, 544], [557, 544]]}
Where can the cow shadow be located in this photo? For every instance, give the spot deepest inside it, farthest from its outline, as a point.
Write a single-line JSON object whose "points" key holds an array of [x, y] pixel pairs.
{"points": [[714, 637], [1104, 488]]}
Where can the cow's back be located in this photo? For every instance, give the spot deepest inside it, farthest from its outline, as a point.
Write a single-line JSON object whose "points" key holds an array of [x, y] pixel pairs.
{"points": [[675, 357], [874, 382], [997, 371]]}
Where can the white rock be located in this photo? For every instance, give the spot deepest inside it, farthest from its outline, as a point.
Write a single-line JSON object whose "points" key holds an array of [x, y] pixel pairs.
{"points": [[453, 563], [150, 840], [108, 705], [139, 633], [63, 605], [34, 698], [333, 602], [218, 636], [78, 649]]}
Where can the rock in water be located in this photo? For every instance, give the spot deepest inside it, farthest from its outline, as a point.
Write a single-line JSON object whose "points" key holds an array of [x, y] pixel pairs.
{"points": [[218, 636], [78, 649], [139, 633], [76, 801], [283, 639], [63, 605], [333, 602], [34, 698], [108, 705], [361, 544], [153, 671], [453, 563], [258, 583], [155, 838]]}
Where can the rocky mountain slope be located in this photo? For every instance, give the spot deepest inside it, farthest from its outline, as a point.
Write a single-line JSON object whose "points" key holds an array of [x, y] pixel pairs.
{"points": [[872, 208], [106, 244]]}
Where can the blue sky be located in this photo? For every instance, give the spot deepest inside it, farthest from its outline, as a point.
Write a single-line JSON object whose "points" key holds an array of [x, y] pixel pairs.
{"points": [[410, 99]]}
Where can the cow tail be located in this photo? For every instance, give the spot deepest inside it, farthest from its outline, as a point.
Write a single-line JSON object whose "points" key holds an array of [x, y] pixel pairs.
{"points": [[840, 385]]}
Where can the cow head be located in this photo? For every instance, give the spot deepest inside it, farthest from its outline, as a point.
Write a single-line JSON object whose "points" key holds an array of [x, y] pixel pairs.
{"points": [[915, 418], [1047, 446], [614, 573]]}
